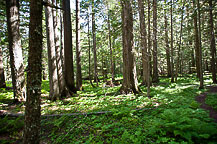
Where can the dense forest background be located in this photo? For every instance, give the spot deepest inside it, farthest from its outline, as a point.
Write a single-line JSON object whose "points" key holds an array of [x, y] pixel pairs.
{"points": [[127, 45]]}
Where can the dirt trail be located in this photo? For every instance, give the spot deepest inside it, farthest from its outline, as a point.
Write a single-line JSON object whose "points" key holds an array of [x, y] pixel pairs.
{"points": [[201, 99]]}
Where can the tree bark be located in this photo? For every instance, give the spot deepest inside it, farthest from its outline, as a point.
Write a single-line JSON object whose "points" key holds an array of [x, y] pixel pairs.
{"points": [[155, 61], [2, 75], [172, 53], [145, 54], [33, 109], [94, 43], [78, 48], [167, 44], [149, 39], [212, 43], [130, 83], [52, 65], [15, 50], [198, 48], [58, 47], [68, 53]]}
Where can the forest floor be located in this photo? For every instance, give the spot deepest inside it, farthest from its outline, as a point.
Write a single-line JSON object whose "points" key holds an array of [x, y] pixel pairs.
{"points": [[176, 113]]}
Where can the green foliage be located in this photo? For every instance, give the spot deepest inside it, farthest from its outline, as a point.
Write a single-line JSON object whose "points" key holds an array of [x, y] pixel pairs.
{"points": [[211, 100]]}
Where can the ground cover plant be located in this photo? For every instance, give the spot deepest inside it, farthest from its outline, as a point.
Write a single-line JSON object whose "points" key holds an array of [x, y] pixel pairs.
{"points": [[170, 115]]}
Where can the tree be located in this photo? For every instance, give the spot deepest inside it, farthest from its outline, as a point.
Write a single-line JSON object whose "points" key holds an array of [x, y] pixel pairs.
{"points": [[212, 43], [15, 50], [68, 53], [171, 23], [52, 65], [130, 83], [198, 48], [167, 44], [110, 46], [33, 109], [145, 54], [94, 43], [155, 61], [58, 47], [78, 48], [2, 75]]}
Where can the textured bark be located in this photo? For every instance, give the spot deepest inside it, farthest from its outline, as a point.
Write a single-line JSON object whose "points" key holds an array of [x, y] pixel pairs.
{"points": [[172, 53], [167, 44], [78, 48], [58, 47], [2, 75], [15, 50], [155, 61], [130, 83], [68, 53], [198, 48], [212, 43], [94, 43], [33, 109], [145, 54], [52, 65]]}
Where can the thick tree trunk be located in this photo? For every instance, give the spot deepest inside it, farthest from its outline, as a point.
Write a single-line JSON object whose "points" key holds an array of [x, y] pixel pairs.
{"points": [[2, 75], [15, 50], [33, 109], [68, 53], [198, 48], [167, 45], [94, 43], [145, 54], [155, 61], [212, 43], [78, 48], [172, 61], [52, 65], [130, 83], [58, 47]]}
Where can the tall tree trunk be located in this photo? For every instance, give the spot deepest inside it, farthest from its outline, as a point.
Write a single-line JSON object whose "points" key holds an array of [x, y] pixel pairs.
{"points": [[58, 47], [94, 43], [78, 48], [15, 50], [155, 61], [172, 53], [110, 47], [145, 54], [89, 50], [68, 53], [2, 75], [52, 65], [212, 43], [33, 108], [130, 83], [198, 48], [179, 45], [149, 39], [167, 44]]}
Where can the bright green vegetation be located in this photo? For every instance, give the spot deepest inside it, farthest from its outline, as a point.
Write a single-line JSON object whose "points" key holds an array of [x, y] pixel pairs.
{"points": [[211, 100], [171, 115]]}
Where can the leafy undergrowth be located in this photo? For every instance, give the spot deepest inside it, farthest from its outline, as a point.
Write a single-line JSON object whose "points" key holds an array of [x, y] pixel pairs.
{"points": [[211, 100], [175, 116]]}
